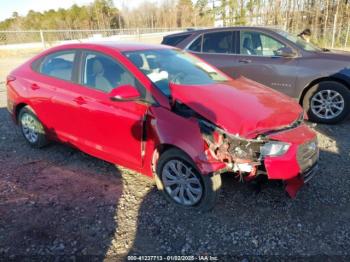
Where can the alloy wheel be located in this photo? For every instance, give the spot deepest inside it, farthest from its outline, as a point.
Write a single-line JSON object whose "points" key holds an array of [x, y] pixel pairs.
{"points": [[181, 183], [327, 104], [29, 128]]}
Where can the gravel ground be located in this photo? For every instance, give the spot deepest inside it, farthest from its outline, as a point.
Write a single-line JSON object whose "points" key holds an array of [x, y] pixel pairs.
{"points": [[60, 201]]}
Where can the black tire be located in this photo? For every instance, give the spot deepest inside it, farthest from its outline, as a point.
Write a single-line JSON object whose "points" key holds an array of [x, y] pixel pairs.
{"points": [[211, 184], [41, 138], [327, 85]]}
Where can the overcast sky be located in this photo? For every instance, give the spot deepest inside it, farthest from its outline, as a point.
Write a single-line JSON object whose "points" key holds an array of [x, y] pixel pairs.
{"points": [[7, 7]]}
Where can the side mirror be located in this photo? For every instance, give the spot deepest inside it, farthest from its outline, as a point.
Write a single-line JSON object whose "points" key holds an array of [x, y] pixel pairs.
{"points": [[124, 93], [285, 52]]}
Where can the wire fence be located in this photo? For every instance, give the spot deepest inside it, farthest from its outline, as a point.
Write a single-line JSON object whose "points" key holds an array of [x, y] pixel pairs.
{"points": [[324, 37], [46, 38]]}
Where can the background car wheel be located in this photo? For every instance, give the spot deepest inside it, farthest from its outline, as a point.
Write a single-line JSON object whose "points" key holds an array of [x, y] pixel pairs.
{"points": [[182, 184], [32, 129], [327, 102]]}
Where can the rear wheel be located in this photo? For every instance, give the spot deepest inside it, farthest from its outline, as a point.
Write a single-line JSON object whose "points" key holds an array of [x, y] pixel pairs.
{"points": [[182, 184], [31, 127], [327, 102]]}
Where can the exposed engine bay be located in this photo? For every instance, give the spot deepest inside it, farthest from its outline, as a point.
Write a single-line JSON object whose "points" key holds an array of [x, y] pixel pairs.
{"points": [[243, 156], [240, 154], [230, 148]]}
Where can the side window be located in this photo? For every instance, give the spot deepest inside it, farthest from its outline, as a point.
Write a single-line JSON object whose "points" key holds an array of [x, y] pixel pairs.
{"points": [[104, 73], [258, 44], [196, 46], [59, 65], [219, 42]]}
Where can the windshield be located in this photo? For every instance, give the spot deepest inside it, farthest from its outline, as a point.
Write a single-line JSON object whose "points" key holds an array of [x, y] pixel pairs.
{"points": [[299, 41], [169, 65]]}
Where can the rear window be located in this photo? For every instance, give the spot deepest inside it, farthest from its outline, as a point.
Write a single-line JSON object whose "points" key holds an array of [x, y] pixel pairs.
{"points": [[218, 42], [58, 65], [174, 40]]}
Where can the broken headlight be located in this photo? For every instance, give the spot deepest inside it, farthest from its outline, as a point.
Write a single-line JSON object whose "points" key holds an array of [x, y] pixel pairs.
{"points": [[274, 148]]}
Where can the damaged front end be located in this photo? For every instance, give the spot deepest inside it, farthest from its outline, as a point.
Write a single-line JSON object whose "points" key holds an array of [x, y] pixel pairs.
{"points": [[270, 141], [241, 156], [264, 155]]}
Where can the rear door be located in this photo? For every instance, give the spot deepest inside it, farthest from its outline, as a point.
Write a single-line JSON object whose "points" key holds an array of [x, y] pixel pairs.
{"points": [[52, 93], [218, 48], [257, 61]]}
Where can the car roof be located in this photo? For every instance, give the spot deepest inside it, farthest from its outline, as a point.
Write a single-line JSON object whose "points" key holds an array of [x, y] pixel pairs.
{"points": [[117, 45], [214, 29]]}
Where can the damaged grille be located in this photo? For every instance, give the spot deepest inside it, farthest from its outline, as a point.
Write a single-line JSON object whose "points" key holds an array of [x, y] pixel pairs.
{"points": [[230, 148], [307, 155]]}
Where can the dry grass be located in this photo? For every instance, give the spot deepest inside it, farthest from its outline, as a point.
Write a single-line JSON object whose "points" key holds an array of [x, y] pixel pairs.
{"points": [[343, 49], [19, 52], [10, 59]]}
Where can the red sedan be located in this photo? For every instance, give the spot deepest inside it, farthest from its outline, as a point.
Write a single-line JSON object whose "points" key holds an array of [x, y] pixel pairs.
{"points": [[164, 113]]}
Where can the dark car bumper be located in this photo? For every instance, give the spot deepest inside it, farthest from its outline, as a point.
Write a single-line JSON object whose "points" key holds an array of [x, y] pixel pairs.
{"points": [[309, 173]]}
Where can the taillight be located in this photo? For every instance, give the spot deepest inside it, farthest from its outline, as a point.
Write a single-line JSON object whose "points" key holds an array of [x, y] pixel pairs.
{"points": [[10, 78]]}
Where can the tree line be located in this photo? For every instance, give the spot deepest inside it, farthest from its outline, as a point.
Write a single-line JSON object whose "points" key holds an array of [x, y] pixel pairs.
{"points": [[102, 14], [327, 19]]}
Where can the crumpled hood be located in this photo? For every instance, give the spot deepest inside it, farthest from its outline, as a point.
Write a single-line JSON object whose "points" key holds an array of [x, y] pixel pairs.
{"points": [[240, 106]]}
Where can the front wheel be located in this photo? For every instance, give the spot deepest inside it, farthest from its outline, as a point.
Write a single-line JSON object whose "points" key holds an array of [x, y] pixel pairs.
{"points": [[327, 102], [182, 184]]}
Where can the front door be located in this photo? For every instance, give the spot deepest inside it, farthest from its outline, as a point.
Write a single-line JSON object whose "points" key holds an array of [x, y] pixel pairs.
{"points": [[257, 60], [111, 130]]}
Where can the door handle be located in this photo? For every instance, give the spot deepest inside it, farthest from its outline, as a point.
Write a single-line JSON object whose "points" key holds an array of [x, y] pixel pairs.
{"points": [[79, 100], [34, 87], [245, 61]]}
